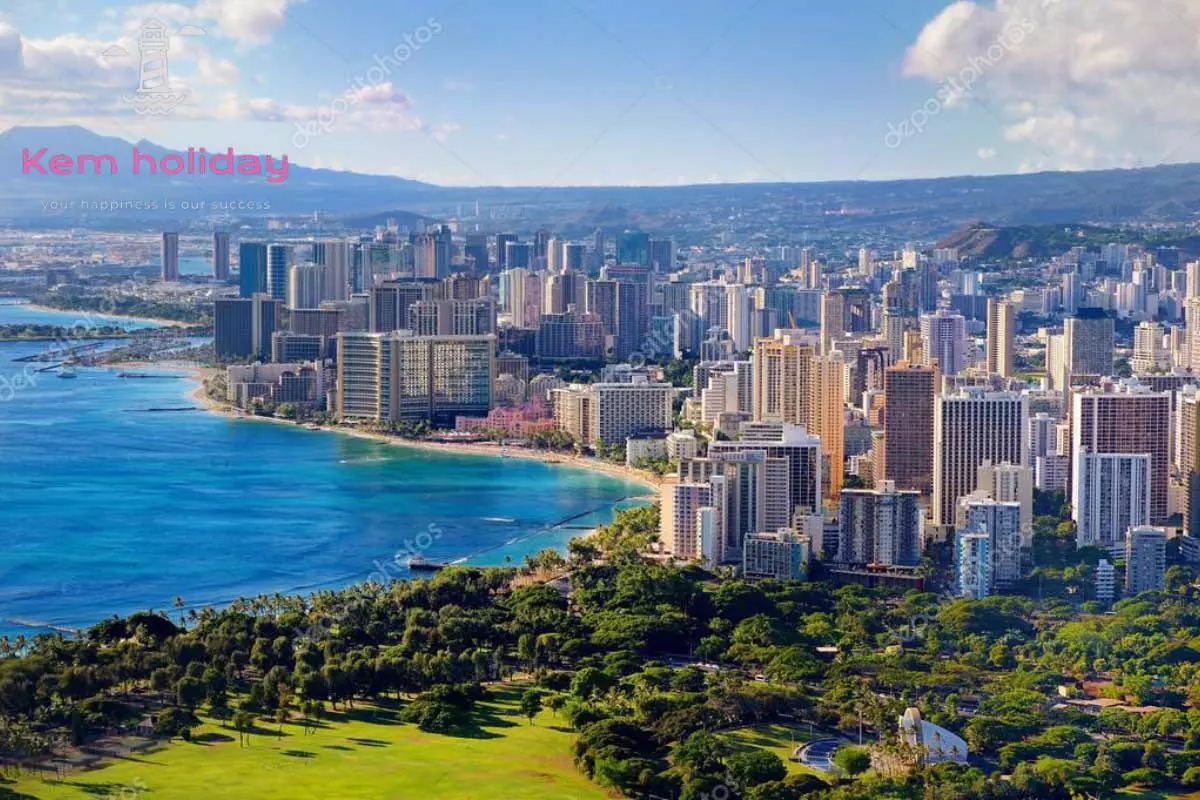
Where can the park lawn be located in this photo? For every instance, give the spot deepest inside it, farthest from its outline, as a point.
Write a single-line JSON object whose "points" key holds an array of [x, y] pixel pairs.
{"points": [[364, 753], [775, 738]]}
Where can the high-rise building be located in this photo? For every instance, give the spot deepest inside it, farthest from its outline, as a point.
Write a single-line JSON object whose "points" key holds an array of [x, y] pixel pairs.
{"points": [[783, 388], [574, 257], [1149, 355], [944, 340], [242, 326], [662, 256], [1010, 483], [1145, 560], [828, 417], [1106, 582], [1089, 337], [476, 253], [391, 301], [611, 412], [633, 247], [279, 261], [883, 526], [793, 468], [337, 259], [833, 320], [453, 317], [252, 268], [910, 391], [1110, 493], [973, 563], [169, 257], [221, 256], [1002, 523], [971, 427], [1001, 337], [402, 377], [1127, 417], [680, 518], [782, 555], [571, 335], [306, 286]]}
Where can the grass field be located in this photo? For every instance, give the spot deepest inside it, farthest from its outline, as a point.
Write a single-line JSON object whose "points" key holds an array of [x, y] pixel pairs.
{"points": [[364, 753], [774, 738]]}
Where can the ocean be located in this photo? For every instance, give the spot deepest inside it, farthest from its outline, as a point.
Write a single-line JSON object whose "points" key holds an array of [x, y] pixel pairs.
{"points": [[117, 499]]}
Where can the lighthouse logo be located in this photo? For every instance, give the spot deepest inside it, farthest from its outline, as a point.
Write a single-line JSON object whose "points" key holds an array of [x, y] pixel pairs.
{"points": [[154, 95]]}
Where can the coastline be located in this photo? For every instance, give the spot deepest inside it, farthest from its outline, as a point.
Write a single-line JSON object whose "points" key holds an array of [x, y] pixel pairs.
{"points": [[651, 482], [162, 323]]}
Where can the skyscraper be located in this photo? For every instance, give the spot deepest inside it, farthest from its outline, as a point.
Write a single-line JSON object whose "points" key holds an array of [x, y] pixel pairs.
{"points": [[909, 390], [337, 259], [279, 261], [662, 255], [633, 247], [306, 286], [402, 377], [1001, 337], [793, 460], [1127, 417], [1088, 337], [252, 268], [1110, 493], [973, 563], [1002, 523], [971, 427], [833, 320], [828, 416], [782, 372], [242, 327], [944, 339], [883, 526], [502, 242], [221, 256], [169, 257], [1145, 560]]}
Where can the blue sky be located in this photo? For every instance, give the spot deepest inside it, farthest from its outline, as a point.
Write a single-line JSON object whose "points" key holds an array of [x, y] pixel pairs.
{"points": [[624, 92]]}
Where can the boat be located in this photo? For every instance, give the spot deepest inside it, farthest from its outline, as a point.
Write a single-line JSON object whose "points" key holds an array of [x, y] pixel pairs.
{"points": [[420, 564], [66, 373], [311, 427]]}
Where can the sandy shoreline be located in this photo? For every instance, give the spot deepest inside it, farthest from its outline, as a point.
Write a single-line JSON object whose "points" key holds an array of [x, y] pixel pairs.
{"points": [[648, 480], [90, 317]]}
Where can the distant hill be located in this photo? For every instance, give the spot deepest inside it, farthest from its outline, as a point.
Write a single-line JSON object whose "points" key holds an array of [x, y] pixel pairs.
{"points": [[305, 189], [985, 241], [1037, 212]]}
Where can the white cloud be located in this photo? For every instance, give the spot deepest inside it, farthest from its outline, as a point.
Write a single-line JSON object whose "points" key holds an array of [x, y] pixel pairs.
{"points": [[249, 21], [986, 153], [1085, 82]]}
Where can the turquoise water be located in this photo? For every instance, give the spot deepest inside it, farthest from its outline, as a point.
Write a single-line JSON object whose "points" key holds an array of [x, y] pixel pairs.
{"points": [[109, 507], [12, 313]]}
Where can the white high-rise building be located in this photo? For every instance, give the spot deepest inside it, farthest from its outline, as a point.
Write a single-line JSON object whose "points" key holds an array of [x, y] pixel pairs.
{"points": [[793, 468], [969, 428], [1106, 582], [337, 258], [1002, 523], [973, 563], [1149, 354], [1110, 493], [1010, 483], [306, 286], [680, 517], [169, 256], [944, 339]]}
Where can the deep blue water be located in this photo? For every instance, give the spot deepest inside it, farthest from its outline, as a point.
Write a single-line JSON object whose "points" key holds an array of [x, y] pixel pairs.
{"points": [[110, 508]]}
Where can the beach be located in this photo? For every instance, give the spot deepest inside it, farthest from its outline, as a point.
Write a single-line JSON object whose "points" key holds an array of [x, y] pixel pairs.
{"points": [[651, 481], [91, 318]]}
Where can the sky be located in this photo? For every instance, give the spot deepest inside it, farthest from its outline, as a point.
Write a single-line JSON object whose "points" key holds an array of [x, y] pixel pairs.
{"points": [[626, 92]]}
